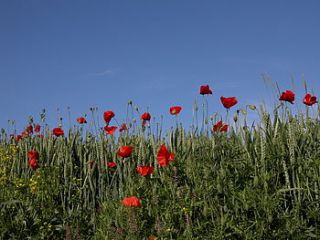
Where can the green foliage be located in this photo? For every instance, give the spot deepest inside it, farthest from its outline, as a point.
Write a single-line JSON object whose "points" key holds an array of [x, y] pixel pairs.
{"points": [[250, 183]]}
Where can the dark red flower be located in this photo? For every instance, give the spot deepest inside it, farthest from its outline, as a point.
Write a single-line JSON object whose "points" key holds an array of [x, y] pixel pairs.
{"points": [[220, 127], [205, 90], [228, 102], [33, 155], [111, 164], [29, 129], [58, 132], [11, 136], [217, 126], [37, 128], [123, 127], [309, 99], [146, 116], [287, 96], [33, 163], [81, 120], [110, 130], [18, 138], [132, 202], [108, 115], [125, 151], [144, 170], [164, 157], [224, 128], [40, 136], [175, 110]]}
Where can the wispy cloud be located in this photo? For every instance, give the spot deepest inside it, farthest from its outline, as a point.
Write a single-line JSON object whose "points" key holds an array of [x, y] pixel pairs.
{"points": [[103, 73], [106, 72]]}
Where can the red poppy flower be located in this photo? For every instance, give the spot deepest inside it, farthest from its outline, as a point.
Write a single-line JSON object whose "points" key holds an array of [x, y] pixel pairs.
{"points": [[40, 136], [144, 170], [110, 130], [11, 136], [228, 102], [111, 164], [33, 155], [18, 138], [287, 96], [24, 134], [125, 151], [123, 127], [132, 202], [205, 90], [29, 129], [146, 116], [164, 157], [33, 163], [217, 126], [37, 128], [224, 128], [58, 132], [220, 127], [81, 120], [175, 110], [309, 99], [108, 115]]}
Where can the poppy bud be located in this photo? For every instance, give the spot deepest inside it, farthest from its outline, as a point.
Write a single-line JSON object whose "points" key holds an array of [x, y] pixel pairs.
{"points": [[252, 107], [235, 118]]}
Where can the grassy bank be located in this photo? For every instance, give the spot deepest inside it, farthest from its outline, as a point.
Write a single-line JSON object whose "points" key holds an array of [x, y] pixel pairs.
{"points": [[251, 182]]}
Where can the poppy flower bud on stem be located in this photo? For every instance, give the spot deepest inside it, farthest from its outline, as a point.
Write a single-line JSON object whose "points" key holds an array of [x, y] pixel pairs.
{"points": [[30, 119], [252, 107], [235, 118]]}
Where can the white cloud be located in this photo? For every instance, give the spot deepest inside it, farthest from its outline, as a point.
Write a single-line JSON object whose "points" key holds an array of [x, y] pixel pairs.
{"points": [[103, 73], [106, 72]]}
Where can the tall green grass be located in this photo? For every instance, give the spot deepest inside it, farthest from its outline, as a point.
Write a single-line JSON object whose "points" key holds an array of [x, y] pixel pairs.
{"points": [[257, 181]]}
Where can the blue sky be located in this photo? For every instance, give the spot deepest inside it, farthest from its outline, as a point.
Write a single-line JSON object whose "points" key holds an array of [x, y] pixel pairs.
{"points": [[80, 54]]}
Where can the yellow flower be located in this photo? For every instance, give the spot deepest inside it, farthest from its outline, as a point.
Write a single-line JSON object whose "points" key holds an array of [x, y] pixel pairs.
{"points": [[185, 210]]}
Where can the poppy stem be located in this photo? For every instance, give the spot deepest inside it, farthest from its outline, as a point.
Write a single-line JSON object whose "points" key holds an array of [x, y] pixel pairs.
{"points": [[307, 112], [207, 117], [227, 116], [177, 121], [195, 116], [94, 120], [69, 117], [203, 114]]}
